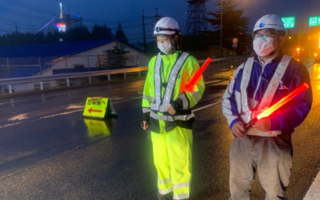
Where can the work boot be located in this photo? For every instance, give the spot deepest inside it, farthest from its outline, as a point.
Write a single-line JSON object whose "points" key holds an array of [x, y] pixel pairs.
{"points": [[165, 196]]}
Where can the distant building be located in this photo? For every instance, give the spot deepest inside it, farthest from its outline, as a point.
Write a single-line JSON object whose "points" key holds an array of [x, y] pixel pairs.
{"points": [[60, 58]]}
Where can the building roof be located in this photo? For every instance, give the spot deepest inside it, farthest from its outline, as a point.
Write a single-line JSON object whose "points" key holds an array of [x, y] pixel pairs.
{"points": [[51, 49], [24, 58]]}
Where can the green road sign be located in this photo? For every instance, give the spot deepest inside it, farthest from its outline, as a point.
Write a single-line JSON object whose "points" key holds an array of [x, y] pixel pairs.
{"points": [[288, 22], [314, 21]]}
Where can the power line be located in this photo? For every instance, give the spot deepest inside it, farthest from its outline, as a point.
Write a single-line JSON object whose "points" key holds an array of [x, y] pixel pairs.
{"points": [[106, 21], [14, 22], [113, 10], [29, 7], [19, 13]]}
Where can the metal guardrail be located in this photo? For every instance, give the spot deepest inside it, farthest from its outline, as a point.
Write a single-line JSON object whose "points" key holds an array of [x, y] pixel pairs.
{"points": [[41, 79]]}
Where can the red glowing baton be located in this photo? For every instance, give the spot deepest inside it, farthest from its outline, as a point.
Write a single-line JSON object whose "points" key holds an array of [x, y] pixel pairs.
{"points": [[280, 103], [196, 76]]}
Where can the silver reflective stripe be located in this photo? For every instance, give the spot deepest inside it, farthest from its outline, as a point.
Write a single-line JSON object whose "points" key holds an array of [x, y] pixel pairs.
{"points": [[226, 103], [196, 96], [171, 118], [164, 181], [181, 185], [245, 111], [162, 117], [149, 98], [161, 191], [157, 79], [245, 82], [171, 83], [181, 196], [154, 106], [146, 110], [274, 82], [185, 101]]}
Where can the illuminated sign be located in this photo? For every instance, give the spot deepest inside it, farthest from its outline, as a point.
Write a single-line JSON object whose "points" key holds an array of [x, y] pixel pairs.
{"points": [[98, 107], [314, 21], [288, 22], [61, 27]]}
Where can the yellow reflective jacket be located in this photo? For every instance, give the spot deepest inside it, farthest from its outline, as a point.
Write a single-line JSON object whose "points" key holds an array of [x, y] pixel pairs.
{"points": [[180, 100]]}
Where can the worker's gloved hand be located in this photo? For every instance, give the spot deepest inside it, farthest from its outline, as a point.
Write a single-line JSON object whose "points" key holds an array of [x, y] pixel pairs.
{"points": [[263, 124], [238, 129], [171, 110], [144, 125]]}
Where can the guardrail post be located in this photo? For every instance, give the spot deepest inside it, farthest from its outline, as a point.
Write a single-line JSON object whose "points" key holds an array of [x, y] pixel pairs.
{"points": [[109, 78], [68, 83], [139, 73], [90, 80], [41, 85], [10, 89], [125, 75]]}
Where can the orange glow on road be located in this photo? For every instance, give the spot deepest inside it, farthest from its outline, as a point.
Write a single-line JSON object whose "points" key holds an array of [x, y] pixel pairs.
{"points": [[283, 101]]}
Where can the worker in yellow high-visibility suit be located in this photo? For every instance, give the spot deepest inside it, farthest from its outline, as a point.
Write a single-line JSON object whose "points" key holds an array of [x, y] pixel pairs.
{"points": [[167, 113]]}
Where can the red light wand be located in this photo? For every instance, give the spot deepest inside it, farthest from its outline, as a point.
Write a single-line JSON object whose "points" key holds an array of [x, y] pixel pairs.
{"points": [[280, 103], [197, 75]]}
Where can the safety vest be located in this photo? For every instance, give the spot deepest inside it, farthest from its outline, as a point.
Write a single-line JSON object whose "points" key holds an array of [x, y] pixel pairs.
{"points": [[267, 97], [161, 104]]}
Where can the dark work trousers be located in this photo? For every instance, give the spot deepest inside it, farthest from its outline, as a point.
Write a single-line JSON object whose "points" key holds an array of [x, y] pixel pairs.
{"points": [[270, 156]]}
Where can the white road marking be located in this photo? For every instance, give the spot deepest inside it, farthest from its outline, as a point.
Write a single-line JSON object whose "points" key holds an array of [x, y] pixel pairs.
{"points": [[203, 107], [314, 190], [59, 114], [74, 106], [210, 82], [19, 117], [8, 125]]}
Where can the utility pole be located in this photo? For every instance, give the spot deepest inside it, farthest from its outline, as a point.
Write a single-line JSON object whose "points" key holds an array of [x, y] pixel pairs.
{"points": [[157, 16], [307, 33], [144, 32], [221, 23], [16, 28]]}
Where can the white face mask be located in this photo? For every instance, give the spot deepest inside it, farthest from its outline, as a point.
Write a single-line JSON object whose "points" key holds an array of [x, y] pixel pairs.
{"points": [[165, 48], [263, 46]]}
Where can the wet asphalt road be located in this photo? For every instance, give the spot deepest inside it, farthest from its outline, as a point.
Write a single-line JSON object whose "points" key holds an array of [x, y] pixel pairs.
{"points": [[49, 151]]}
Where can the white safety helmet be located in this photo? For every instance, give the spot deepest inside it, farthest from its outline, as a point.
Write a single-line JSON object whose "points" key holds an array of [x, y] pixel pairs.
{"points": [[166, 26], [270, 21]]}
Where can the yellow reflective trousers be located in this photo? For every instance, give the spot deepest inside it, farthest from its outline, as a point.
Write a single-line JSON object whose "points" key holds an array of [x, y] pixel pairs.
{"points": [[172, 152]]}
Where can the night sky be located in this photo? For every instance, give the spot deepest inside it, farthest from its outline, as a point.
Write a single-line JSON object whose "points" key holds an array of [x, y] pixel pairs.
{"points": [[30, 15]]}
